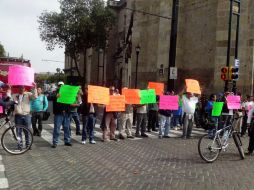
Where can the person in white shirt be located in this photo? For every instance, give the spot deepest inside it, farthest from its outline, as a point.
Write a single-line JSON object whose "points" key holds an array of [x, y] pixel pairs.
{"points": [[189, 106], [246, 106]]}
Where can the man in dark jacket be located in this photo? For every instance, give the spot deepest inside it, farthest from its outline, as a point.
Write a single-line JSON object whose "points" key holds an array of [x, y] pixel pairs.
{"points": [[89, 112], [61, 117]]}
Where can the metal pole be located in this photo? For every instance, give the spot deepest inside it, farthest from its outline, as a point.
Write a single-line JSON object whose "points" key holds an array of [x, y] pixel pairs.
{"points": [[173, 40], [136, 79], [229, 42], [237, 40]]}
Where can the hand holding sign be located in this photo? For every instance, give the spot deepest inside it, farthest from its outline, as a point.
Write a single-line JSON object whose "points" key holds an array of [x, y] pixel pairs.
{"points": [[159, 87], [98, 94], [20, 75], [68, 94], [116, 103], [192, 86]]}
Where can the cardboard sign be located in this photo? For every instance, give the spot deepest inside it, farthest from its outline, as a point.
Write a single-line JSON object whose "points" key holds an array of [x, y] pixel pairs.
{"points": [[192, 86], [20, 75], [131, 96], [116, 103], [217, 108], [98, 95], [168, 103], [147, 96], [68, 94], [159, 87], [234, 102]]}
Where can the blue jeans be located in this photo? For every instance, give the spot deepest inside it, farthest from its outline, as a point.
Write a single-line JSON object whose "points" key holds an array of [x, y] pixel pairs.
{"points": [[88, 127], [24, 120], [75, 117], [61, 119], [164, 124]]}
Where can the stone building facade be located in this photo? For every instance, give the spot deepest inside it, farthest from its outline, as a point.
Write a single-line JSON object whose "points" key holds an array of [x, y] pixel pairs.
{"points": [[201, 50]]}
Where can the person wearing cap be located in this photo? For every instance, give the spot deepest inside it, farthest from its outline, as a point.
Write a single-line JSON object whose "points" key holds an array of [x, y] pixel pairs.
{"points": [[22, 110], [62, 117], [189, 106]]}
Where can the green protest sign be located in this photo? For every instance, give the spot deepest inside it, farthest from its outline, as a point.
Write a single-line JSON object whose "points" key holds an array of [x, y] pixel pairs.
{"points": [[217, 108], [68, 94], [147, 96]]}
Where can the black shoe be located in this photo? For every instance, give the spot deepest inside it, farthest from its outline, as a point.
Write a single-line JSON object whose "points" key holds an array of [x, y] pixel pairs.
{"points": [[54, 146], [248, 153], [137, 135], [130, 137], [39, 134], [67, 144], [114, 139], [166, 137], [155, 130], [121, 137], [144, 135], [78, 134], [149, 130], [183, 137]]}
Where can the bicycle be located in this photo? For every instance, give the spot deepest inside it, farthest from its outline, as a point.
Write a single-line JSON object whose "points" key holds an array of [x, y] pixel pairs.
{"points": [[14, 135], [209, 147]]}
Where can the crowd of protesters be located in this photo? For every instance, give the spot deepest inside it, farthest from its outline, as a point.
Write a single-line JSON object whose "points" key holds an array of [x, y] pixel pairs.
{"points": [[192, 109]]}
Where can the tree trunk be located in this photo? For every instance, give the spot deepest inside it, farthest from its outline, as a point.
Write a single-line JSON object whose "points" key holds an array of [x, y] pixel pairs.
{"points": [[85, 61]]}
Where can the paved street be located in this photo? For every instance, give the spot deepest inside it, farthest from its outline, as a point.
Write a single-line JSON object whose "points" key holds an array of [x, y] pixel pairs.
{"points": [[150, 163]]}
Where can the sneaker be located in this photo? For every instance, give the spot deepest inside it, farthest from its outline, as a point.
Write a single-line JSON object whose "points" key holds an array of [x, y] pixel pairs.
{"points": [[144, 135], [130, 137], [83, 142], [92, 142], [54, 146], [121, 137], [176, 128], [67, 144]]}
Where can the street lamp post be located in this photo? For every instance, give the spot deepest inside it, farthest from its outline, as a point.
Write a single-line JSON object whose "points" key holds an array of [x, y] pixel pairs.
{"points": [[137, 53]]}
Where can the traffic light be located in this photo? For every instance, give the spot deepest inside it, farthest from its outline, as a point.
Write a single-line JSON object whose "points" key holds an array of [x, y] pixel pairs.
{"points": [[224, 73], [233, 73]]}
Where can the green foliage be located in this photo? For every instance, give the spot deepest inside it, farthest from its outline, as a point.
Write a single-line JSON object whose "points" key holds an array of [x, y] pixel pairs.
{"points": [[80, 24], [2, 51]]}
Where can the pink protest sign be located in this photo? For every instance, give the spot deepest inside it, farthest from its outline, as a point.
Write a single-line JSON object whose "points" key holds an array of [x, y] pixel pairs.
{"points": [[233, 102], [168, 102], [1, 107], [20, 75]]}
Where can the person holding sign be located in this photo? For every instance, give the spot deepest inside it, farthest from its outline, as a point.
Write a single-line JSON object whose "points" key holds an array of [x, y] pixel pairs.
{"points": [[164, 116], [141, 121], [189, 106], [62, 117], [89, 112], [213, 124], [125, 121], [250, 126], [247, 105], [22, 110], [110, 121]]}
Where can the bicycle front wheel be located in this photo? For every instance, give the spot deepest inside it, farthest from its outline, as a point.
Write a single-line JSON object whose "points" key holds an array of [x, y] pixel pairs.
{"points": [[208, 148], [17, 140], [238, 144]]}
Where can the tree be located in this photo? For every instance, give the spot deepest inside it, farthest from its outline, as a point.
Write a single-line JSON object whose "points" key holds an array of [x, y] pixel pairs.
{"points": [[81, 24], [2, 51]]}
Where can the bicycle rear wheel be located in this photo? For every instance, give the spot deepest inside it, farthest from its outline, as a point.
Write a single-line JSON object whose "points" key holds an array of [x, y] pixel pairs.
{"points": [[208, 148], [238, 144], [17, 140]]}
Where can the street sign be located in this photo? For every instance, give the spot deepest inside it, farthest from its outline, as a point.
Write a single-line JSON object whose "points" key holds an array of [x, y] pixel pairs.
{"points": [[173, 73], [237, 63]]}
